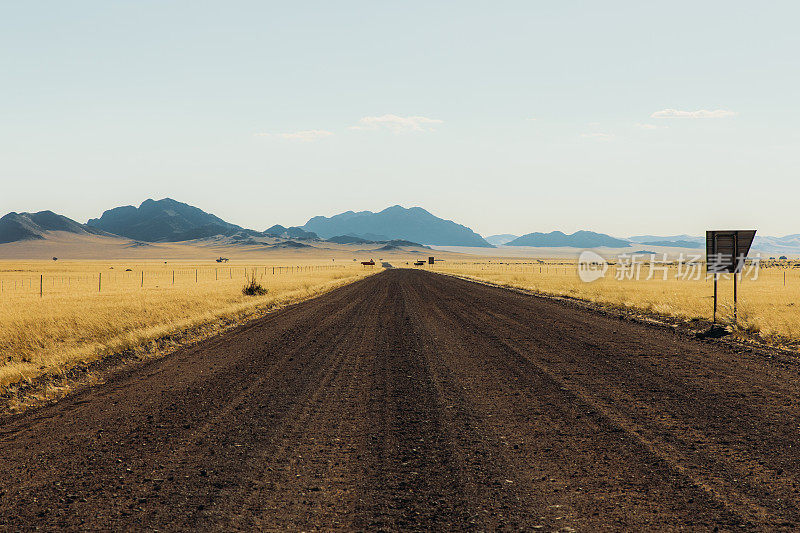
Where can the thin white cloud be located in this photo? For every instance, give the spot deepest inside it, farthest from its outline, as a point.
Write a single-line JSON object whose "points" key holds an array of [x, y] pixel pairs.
{"points": [[598, 136], [304, 136], [397, 123], [700, 113], [642, 126]]}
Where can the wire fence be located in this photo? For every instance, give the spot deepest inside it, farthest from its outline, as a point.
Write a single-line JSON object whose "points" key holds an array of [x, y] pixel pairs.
{"points": [[787, 272], [116, 278]]}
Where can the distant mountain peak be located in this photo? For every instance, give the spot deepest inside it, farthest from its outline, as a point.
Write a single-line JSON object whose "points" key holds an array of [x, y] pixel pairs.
{"points": [[293, 232], [579, 239], [501, 239], [36, 226], [397, 222], [164, 220]]}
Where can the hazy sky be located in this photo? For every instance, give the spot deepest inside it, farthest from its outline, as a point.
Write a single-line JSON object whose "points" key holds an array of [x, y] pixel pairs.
{"points": [[621, 117]]}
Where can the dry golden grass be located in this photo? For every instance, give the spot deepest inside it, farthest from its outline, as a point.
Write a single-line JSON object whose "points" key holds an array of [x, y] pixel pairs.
{"points": [[766, 307], [90, 309]]}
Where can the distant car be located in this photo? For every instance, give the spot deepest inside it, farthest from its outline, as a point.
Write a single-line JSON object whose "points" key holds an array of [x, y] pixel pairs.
{"points": [[371, 262]]}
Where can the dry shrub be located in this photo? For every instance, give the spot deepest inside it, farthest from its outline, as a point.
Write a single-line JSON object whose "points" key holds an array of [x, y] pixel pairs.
{"points": [[253, 287]]}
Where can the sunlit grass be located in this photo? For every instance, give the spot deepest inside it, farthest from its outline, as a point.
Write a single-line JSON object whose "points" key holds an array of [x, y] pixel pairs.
{"points": [[766, 306], [88, 310]]}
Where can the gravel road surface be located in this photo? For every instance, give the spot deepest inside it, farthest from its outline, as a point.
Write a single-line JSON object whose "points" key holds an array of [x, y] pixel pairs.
{"points": [[411, 400]]}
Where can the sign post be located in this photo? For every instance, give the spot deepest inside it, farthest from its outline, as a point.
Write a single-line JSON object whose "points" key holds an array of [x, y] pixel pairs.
{"points": [[726, 251], [716, 277]]}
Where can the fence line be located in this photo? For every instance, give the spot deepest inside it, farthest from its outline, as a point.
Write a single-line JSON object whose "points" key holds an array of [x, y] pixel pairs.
{"points": [[11, 283]]}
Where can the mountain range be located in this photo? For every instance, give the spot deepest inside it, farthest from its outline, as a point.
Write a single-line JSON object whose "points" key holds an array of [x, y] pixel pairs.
{"points": [[168, 220], [162, 221], [579, 239], [673, 238], [762, 243], [293, 232], [36, 226], [397, 222]]}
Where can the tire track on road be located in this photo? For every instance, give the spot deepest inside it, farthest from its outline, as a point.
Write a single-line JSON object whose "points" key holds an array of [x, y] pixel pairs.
{"points": [[415, 401], [724, 485]]}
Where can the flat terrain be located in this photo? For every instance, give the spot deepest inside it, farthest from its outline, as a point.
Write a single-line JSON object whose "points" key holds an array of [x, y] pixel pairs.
{"points": [[417, 401], [767, 299], [58, 315]]}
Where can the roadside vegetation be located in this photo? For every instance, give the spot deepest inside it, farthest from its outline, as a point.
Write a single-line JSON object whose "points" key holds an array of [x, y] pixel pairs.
{"points": [[252, 286], [91, 309], [767, 308]]}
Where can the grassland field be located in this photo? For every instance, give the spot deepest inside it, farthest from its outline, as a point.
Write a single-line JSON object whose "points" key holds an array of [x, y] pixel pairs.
{"points": [[56, 314], [768, 306]]}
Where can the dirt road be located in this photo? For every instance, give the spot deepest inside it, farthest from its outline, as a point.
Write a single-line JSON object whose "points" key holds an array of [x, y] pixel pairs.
{"points": [[411, 400]]}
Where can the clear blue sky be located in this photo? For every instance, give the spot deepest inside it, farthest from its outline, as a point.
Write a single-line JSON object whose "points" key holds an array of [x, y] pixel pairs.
{"points": [[505, 116]]}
